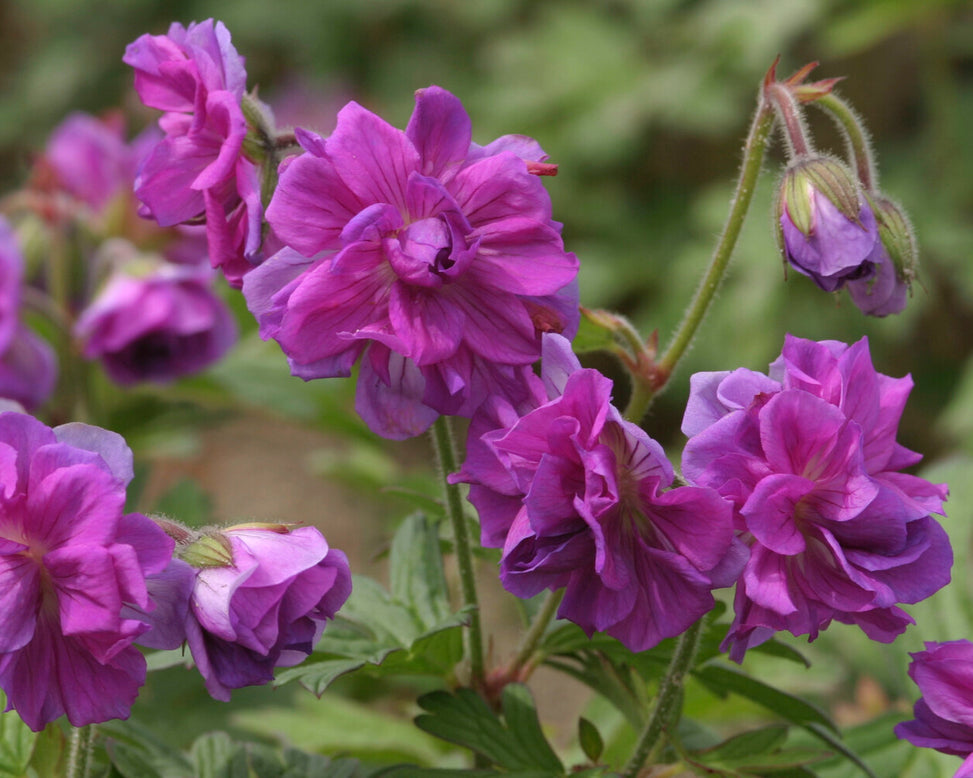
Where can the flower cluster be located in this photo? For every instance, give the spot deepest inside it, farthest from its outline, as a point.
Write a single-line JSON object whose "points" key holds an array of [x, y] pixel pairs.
{"points": [[432, 258], [808, 457], [84, 581], [199, 169], [944, 713], [146, 308], [578, 498]]}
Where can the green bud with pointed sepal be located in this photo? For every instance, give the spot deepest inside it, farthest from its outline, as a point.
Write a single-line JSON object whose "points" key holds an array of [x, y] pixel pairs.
{"points": [[208, 550]]}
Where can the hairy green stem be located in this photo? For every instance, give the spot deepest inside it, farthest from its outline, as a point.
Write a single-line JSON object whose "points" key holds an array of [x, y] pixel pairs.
{"points": [[856, 137], [446, 454], [667, 698], [753, 157], [80, 746]]}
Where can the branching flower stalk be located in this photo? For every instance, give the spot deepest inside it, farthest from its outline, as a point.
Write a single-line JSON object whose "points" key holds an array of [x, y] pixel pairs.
{"points": [[753, 156]]}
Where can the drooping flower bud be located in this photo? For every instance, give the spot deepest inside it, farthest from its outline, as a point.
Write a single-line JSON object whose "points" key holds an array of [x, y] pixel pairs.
{"points": [[826, 228], [894, 260]]}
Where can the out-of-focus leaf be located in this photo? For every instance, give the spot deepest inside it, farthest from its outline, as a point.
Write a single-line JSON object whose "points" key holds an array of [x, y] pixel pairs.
{"points": [[186, 502], [515, 743], [16, 743], [756, 752], [337, 725], [49, 753], [416, 571], [723, 680], [590, 739], [136, 752], [215, 755]]}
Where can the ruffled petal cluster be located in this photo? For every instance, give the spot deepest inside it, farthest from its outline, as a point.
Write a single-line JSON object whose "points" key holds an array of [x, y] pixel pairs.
{"points": [[198, 169], [28, 367], [72, 565], [259, 601], [808, 457], [944, 713], [156, 324], [434, 257], [579, 499]]}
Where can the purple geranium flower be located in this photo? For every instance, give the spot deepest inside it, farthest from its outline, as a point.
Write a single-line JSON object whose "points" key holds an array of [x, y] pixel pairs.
{"points": [[944, 713], [91, 159], [578, 499], [248, 599], [156, 324], [195, 75], [809, 459], [28, 367], [70, 561], [438, 256]]}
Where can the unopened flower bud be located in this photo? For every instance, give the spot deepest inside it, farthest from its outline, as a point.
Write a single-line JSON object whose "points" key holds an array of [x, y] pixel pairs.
{"points": [[209, 550], [895, 259], [827, 230]]}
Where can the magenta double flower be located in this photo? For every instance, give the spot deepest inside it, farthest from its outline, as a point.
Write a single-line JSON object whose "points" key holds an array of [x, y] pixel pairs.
{"points": [[156, 323], [579, 499], [198, 169], [808, 457], [944, 713], [246, 600], [434, 259], [73, 568]]}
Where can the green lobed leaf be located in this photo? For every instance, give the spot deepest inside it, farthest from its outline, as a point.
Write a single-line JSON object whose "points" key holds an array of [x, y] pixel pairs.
{"points": [[215, 755], [516, 743]]}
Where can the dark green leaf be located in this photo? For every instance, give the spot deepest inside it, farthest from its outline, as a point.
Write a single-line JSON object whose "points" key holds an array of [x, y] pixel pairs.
{"points": [[723, 680], [780, 650], [590, 738], [836, 743], [520, 715], [516, 743], [746, 745]]}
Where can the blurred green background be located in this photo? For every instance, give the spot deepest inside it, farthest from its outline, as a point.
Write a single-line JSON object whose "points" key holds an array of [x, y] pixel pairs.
{"points": [[644, 104]]}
